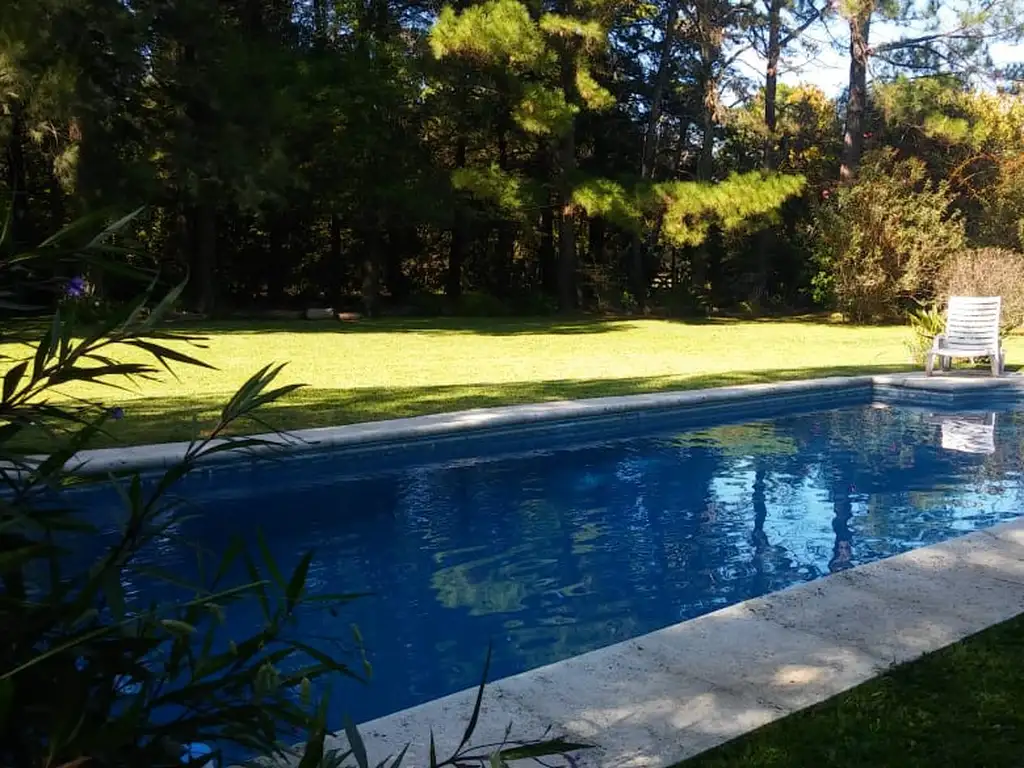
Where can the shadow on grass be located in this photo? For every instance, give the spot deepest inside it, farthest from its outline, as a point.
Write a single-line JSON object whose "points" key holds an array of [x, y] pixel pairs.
{"points": [[483, 326], [504, 326], [30, 331], [156, 420]]}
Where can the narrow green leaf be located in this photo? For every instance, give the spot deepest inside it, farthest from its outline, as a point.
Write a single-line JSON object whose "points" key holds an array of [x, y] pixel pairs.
{"points": [[180, 628], [58, 649], [471, 726], [397, 763], [323, 658], [268, 560], [163, 354], [114, 592], [14, 559], [98, 373], [88, 221], [261, 591], [44, 347], [297, 583], [234, 547], [542, 749], [355, 743], [12, 378], [114, 228], [313, 754], [159, 312], [6, 699]]}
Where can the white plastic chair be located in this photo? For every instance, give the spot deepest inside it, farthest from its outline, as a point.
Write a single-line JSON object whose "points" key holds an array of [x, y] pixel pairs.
{"points": [[972, 330]]}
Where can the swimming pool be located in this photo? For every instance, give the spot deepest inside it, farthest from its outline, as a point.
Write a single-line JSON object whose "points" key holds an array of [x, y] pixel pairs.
{"points": [[550, 552]]}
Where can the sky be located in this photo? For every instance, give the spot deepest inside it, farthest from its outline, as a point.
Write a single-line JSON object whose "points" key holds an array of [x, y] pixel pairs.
{"points": [[829, 67]]}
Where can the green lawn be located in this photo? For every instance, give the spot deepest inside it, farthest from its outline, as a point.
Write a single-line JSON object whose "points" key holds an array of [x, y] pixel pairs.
{"points": [[959, 707], [390, 368]]}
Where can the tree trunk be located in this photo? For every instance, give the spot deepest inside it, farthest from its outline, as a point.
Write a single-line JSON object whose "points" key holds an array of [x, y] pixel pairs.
{"points": [[335, 270], [506, 245], [597, 240], [319, 23], [567, 255], [706, 160], [17, 183], [370, 241], [204, 264], [404, 241], [567, 170], [853, 138], [277, 260], [595, 244], [638, 271], [460, 237], [771, 82], [548, 259], [650, 148]]}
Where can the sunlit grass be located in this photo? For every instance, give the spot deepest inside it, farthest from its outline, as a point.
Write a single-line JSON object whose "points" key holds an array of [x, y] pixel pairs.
{"points": [[392, 368], [962, 706]]}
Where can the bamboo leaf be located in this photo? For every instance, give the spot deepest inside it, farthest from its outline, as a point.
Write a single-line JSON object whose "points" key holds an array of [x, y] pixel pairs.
{"points": [[114, 228], [471, 726], [6, 698], [159, 312], [355, 743], [268, 560], [114, 592], [12, 378], [297, 583], [397, 763], [542, 749], [163, 354], [177, 627]]}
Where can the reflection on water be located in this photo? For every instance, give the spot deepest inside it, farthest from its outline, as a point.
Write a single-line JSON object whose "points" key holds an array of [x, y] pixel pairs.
{"points": [[550, 555], [969, 434]]}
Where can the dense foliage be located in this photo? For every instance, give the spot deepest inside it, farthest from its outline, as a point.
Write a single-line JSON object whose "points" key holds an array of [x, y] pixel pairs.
{"points": [[92, 670], [402, 155]]}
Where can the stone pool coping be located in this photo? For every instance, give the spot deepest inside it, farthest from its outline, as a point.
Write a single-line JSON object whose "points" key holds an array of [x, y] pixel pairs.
{"points": [[662, 697], [380, 434]]}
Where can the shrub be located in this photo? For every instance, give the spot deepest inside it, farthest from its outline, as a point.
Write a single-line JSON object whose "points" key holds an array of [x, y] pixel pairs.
{"points": [[926, 322], [987, 272], [882, 242], [92, 675]]}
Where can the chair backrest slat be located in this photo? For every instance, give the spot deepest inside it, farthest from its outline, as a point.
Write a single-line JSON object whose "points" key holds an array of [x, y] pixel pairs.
{"points": [[973, 320]]}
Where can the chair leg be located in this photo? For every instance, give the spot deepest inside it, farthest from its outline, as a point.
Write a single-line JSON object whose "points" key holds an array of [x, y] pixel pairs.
{"points": [[929, 363], [997, 367], [947, 363]]}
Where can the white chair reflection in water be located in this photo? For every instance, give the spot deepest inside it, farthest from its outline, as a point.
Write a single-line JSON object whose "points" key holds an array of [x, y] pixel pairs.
{"points": [[969, 435]]}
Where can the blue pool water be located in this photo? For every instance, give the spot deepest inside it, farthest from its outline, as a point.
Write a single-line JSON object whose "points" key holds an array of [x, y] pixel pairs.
{"points": [[551, 553]]}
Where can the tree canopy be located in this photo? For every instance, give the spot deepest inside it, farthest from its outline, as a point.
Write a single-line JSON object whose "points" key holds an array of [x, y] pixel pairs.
{"points": [[402, 155]]}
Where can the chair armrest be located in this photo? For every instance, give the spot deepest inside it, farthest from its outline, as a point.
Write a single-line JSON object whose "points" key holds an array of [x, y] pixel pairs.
{"points": [[938, 340]]}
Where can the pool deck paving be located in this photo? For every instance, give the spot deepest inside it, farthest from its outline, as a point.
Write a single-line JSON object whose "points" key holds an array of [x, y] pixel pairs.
{"points": [[671, 694]]}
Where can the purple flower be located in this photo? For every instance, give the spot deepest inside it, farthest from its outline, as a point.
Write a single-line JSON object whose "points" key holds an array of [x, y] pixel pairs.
{"points": [[75, 288], [117, 413]]}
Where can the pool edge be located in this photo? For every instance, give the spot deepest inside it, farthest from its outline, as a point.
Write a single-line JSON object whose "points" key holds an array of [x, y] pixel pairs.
{"points": [[895, 388], [668, 695]]}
